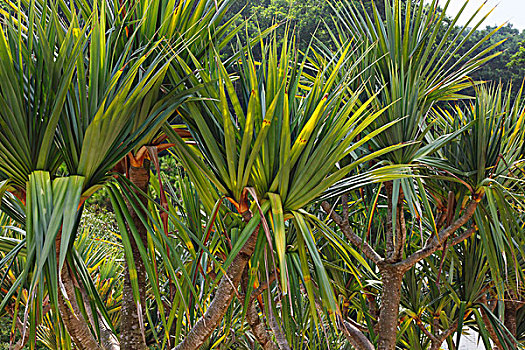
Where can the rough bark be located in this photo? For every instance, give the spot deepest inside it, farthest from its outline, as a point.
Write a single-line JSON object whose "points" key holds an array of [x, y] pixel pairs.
{"points": [[224, 294], [440, 339], [107, 338], [435, 241], [349, 233], [490, 329], [131, 336], [392, 276], [280, 338], [355, 337], [393, 267], [257, 325], [76, 325], [511, 313], [389, 310]]}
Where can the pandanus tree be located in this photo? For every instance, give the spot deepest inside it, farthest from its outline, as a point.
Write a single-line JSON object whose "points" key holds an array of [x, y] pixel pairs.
{"points": [[260, 146], [187, 29], [88, 93], [448, 295], [414, 62], [71, 110]]}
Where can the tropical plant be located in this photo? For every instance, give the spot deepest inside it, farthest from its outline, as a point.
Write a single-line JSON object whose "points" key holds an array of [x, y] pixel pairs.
{"points": [[420, 234], [68, 102], [453, 155]]}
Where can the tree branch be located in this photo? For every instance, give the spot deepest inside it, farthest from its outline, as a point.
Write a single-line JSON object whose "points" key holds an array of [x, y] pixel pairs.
{"points": [[369, 252], [435, 242], [436, 344], [357, 338]]}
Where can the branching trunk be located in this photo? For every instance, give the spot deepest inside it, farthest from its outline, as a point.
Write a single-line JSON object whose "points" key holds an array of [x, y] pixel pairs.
{"points": [[224, 294], [389, 311], [438, 338], [394, 266], [131, 337], [257, 325]]}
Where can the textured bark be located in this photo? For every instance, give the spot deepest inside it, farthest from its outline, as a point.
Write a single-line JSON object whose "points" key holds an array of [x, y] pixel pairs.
{"points": [[488, 325], [355, 337], [389, 311], [511, 312], [435, 241], [439, 340], [131, 337], [393, 267], [257, 325], [280, 338], [349, 233], [76, 325], [224, 294], [108, 339]]}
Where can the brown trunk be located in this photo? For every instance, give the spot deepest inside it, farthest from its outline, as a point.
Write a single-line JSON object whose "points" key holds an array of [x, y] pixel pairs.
{"points": [[392, 276], [490, 329], [131, 337], [439, 340], [355, 336], [389, 311], [436, 345], [280, 338], [224, 294], [76, 325], [257, 326], [511, 312], [108, 339]]}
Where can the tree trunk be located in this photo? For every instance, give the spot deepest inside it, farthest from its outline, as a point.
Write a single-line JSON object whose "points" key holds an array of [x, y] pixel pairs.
{"points": [[76, 325], [389, 311], [511, 312], [436, 345], [259, 328], [224, 294], [257, 325], [131, 337], [488, 324], [108, 340]]}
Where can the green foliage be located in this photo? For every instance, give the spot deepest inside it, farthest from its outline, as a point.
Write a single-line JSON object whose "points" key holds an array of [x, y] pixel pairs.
{"points": [[365, 116], [509, 66], [517, 60]]}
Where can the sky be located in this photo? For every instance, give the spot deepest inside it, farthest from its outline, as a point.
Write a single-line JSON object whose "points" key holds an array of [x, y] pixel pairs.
{"points": [[512, 11]]}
